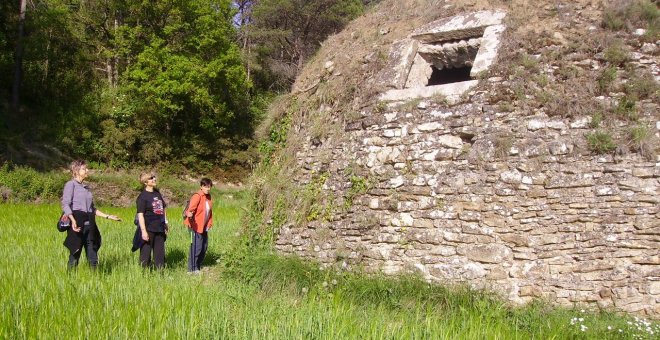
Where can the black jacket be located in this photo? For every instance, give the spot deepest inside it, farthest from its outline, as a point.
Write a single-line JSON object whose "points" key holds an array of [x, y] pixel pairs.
{"points": [[74, 241]]}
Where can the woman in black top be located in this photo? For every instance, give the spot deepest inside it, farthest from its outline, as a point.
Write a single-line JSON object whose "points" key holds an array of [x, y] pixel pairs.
{"points": [[152, 222]]}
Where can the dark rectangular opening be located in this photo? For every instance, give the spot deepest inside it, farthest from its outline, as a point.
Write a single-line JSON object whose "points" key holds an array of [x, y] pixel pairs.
{"points": [[449, 75]]}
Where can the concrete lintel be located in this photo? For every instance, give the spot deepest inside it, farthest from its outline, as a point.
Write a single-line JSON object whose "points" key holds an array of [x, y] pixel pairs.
{"points": [[458, 27]]}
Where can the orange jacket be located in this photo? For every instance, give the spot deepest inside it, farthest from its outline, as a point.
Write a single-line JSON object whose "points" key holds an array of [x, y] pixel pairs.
{"points": [[197, 208]]}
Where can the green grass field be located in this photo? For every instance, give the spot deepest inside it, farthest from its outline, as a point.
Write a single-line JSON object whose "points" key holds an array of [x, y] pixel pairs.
{"points": [[264, 297]]}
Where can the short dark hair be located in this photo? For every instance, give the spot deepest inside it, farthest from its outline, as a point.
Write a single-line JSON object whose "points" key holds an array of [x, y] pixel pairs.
{"points": [[206, 182]]}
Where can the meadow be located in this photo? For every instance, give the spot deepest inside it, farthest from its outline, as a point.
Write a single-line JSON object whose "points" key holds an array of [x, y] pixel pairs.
{"points": [[254, 296]]}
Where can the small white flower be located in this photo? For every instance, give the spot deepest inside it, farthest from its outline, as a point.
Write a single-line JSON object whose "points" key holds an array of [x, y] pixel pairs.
{"points": [[583, 328], [582, 311], [609, 328], [620, 330], [581, 319]]}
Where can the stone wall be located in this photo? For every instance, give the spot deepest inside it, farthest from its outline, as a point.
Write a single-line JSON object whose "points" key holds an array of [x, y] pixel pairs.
{"points": [[510, 202]]}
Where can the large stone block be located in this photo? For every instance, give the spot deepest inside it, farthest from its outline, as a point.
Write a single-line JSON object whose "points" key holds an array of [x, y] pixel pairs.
{"points": [[401, 57], [458, 27], [487, 253]]}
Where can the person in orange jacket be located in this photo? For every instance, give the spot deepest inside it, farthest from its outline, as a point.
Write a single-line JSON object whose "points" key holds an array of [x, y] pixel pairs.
{"points": [[199, 219]]}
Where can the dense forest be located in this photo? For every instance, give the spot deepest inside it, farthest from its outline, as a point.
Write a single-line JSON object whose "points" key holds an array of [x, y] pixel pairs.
{"points": [[176, 83]]}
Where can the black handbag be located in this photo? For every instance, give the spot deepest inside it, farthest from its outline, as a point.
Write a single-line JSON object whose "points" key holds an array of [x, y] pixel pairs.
{"points": [[63, 223]]}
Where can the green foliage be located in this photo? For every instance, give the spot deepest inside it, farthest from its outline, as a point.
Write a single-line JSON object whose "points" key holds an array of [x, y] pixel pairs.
{"points": [[613, 20], [279, 213], [596, 119], [626, 108], [187, 85], [642, 85], [303, 300], [255, 234], [639, 133], [276, 138], [616, 54], [632, 13], [55, 100], [128, 83], [359, 186], [23, 184], [380, 107], [312, 205], [642, 140], [459, 306], [409, 105], [600, 142], [606, 78], [529, 63], [286, 33]]}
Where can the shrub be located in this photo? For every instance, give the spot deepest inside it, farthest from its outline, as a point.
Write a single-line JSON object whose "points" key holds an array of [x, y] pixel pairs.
{"points": [[613, 20], [642, 86], [641, 139], [529, 62], [627, 14], [23, 184], [596, 119], [600, 142], [616, 54], [359, 185], [606, 79], [380, 107], [626, 108], [503, 144]]}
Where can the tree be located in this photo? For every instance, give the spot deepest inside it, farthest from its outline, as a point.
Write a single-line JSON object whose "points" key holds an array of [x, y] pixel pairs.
{"points": [[186, 82], [285, 33], [18, 56]]}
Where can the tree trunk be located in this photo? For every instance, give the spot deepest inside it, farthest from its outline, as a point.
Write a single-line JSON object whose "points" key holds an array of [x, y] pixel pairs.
{"points": [[44, 78], [18, 61], [115, 60], [109, 72]]}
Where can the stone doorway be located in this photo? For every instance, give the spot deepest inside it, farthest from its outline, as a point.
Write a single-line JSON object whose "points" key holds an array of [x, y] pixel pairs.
{"points": [[444, 57]]}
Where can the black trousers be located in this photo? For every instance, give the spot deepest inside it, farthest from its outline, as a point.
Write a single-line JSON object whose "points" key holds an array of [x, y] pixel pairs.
{"points": [[90, 250], [88, 239], [199, 243], [156, 245]]}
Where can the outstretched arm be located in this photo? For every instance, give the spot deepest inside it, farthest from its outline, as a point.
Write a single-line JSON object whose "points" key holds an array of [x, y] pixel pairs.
{"points": [[99, 213]]}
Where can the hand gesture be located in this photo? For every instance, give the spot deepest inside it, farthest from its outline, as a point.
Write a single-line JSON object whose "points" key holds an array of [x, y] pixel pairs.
{"points": [[74, 225]]}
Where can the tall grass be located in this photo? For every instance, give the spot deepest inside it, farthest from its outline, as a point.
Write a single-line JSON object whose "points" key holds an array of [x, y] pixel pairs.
{"points": [[262, 297]]}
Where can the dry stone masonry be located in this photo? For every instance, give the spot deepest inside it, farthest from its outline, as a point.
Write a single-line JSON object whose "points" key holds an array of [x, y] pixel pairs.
{"points": [[444, 45], [470, 194]]}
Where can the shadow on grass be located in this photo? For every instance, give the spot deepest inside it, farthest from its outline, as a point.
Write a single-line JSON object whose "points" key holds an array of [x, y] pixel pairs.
{"points": [[211, 259], [175, 258], [108, 263]]}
